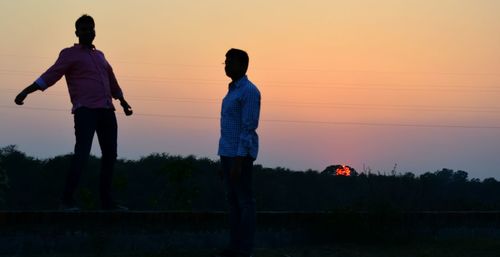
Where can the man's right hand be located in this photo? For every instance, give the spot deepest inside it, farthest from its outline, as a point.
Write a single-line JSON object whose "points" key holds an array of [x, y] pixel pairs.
{"points": [[20, 98], [235, 172], [28, 90]]}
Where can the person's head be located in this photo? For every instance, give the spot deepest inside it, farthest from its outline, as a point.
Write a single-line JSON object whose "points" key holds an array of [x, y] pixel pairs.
{"points": [[85, 29], [236, 63]]}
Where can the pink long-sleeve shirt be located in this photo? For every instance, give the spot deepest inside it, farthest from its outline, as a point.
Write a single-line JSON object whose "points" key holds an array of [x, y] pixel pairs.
{"points": [[90, 79]]}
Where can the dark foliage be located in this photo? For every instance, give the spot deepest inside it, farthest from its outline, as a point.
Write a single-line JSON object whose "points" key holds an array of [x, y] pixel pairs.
{"points": [[165, 182]]}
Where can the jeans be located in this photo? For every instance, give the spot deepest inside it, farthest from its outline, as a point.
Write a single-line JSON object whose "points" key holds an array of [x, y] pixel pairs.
{"points": [[87, 123], [242, 217]]}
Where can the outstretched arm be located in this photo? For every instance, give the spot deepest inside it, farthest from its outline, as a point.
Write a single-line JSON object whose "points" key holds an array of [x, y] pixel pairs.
{"points": [[49, 78], [28, 90]]}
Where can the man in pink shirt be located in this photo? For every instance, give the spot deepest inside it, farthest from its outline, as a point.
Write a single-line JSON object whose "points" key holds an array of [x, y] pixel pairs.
{"points": [[92, 85]]}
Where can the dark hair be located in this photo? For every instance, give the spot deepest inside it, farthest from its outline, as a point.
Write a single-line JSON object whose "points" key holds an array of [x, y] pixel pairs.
{"points": [[239, 55], [84, 19]]}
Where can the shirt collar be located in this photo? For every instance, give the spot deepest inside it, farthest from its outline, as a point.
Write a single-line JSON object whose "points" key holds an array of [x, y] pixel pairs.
{"points": [[238, 83], [84, 46]]}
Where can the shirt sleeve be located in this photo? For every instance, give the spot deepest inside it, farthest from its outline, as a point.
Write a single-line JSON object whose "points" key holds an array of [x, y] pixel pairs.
{"points": [[116, 91], [250, 120], [56, 71]]}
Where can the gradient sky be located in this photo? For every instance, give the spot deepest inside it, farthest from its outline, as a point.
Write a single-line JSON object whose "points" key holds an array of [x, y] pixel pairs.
{"points": [[370, 84]]}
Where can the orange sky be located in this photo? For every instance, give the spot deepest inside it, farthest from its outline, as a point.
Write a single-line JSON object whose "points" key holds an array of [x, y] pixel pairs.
{"points": [[364, 83]]}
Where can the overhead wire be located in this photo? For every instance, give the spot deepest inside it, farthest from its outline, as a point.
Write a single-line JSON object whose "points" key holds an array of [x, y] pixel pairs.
{"points": [[327, 85], [324, 105], [318, 122], [302, 85], [293, 69]]}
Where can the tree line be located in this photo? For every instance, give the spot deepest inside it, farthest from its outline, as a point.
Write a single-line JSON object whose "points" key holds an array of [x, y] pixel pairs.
{"points": [[161, 181]]}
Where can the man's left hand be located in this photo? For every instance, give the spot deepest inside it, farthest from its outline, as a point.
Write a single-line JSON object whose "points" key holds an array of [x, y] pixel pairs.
{"points": [[126, 107]]}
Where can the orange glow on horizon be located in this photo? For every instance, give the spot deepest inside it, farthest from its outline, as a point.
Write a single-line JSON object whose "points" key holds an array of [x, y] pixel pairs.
{"points": [[343, 171]]}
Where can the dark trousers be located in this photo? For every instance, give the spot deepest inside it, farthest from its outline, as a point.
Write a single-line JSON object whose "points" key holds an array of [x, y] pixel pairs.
{"points": [[241, 206], [87, 123]]}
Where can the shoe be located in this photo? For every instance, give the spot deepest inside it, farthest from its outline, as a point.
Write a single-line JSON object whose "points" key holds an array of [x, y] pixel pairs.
{"points": [[69, 208], [114, 207]]}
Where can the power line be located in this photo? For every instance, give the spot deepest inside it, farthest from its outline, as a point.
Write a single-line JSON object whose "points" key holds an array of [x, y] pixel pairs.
{"points": [[324, 105], [303, 69], [317, 122], [288, 84], [373, 124], [306, 85]]}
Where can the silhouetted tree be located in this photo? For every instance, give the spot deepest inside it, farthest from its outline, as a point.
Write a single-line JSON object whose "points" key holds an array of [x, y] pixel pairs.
{"points": [[4, 183], [165, 182]]}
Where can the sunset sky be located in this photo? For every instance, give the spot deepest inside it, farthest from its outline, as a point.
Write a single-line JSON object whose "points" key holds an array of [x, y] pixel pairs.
{"points": [[369, 84]]}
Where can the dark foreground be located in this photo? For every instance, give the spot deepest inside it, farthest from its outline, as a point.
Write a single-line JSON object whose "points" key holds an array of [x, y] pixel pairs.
{"points": [[441, 248], [279, 234]]}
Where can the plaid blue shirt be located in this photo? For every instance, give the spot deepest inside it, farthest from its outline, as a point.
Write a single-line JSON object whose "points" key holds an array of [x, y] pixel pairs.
{"points": [[239, 120]]}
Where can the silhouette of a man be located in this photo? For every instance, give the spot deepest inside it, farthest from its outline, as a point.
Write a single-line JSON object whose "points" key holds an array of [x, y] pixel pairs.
{"points": [[238, 148], [92, 85]]}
